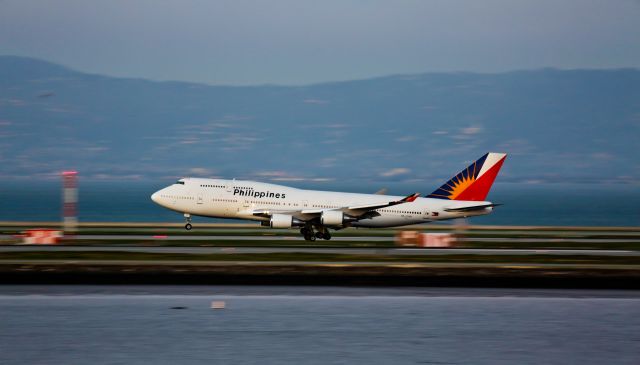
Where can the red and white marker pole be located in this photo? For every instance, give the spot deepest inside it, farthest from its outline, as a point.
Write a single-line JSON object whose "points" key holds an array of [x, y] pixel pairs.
{"points": [[70, 201]]}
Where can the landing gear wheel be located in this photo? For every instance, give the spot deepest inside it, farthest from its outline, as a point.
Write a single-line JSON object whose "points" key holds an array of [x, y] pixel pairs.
{"points": [[187, 218], [323, 235], [307, 233]]}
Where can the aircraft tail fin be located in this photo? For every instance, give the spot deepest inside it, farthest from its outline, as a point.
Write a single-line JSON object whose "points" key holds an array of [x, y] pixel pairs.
{"points": [[474, 182]]}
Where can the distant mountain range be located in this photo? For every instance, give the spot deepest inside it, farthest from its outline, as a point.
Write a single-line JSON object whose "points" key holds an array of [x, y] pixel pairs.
{"points": [[557, 126]]}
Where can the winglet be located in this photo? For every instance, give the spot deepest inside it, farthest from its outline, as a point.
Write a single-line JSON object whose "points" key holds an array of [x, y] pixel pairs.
{"points": [[410, 198]]}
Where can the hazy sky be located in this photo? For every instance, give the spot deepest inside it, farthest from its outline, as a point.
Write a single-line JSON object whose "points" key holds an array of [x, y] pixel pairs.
{"points": [[297, 41]]}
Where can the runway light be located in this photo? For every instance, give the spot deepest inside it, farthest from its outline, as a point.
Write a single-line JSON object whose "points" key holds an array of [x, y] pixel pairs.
{"points": [[160, 236]]}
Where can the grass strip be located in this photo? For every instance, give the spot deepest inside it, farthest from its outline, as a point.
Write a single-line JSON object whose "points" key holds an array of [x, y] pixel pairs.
{"points": [[320, 257]]}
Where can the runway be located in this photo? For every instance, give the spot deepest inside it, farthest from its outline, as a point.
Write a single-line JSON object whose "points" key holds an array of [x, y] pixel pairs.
{"points": [[326, 264], [321, 250]]}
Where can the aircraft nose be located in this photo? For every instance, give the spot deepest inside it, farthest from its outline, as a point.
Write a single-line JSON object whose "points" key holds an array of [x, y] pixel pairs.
{"points": [[156, 197]]}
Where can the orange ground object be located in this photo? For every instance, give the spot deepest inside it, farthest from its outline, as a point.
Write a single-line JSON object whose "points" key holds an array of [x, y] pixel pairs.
{"points": [[41, 236], [419, 239]]}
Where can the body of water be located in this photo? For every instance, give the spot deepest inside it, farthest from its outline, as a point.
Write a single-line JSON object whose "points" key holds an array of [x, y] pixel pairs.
{"points": [[306, 325], [562, 205]]}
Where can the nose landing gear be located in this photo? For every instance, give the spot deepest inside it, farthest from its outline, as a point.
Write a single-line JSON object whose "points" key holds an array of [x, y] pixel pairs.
{"points": [[187, 218]]}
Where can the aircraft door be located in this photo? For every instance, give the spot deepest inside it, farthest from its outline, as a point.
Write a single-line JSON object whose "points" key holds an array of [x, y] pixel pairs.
{"points": [[199, 198]]}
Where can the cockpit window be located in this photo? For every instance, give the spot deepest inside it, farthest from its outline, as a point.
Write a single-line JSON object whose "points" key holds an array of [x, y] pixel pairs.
{"points": [[180, 182]]}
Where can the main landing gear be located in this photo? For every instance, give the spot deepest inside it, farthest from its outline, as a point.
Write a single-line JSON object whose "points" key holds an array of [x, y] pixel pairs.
{"points": [[187, 218], [309, 235]]}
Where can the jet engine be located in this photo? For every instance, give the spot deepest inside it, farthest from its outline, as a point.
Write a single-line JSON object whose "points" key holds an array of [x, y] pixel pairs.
{"points": [[335, 218], [284, 221]]}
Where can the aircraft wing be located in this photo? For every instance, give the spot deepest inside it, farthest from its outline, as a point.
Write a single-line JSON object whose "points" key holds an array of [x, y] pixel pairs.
{"points": [[357, 210], [407, 199], [269, 212]]}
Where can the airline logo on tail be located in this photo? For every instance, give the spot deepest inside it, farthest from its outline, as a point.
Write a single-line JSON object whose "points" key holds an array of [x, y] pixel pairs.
{"points": [[474, 182]]}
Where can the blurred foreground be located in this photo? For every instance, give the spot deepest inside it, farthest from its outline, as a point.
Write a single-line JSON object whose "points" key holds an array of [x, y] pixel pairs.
{"points": [[486, 256]]}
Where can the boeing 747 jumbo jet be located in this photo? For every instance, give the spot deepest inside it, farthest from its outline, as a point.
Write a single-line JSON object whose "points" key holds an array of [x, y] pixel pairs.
{"points": [[315, 212]]}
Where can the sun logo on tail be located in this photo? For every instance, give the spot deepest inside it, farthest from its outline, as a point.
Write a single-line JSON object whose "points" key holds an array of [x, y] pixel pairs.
{"points": [[459, 184]]}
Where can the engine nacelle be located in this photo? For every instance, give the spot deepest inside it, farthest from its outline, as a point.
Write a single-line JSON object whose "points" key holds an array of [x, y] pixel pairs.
{"points": [[284, 221], [332, 218]]}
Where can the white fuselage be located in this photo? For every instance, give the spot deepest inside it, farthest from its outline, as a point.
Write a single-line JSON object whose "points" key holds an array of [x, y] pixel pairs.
{"points": [[235, 199]]}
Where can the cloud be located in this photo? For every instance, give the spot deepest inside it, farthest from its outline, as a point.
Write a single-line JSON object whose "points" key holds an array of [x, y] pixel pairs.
{"points": [[467, 133], [61, 109], [189, 141], [517, 146], [200, 171], [406, 139], [285, 176], [115, 177], [315, 101], [330, 141], [337, 125], [325, 125], [327, 162], [279, 176], [271, 173], [16, 102], [395, 172], [602, 156], [470, 131], [97, 149]]}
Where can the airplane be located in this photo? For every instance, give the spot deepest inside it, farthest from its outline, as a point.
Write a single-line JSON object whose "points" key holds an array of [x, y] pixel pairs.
{"points": [[316, 212]]}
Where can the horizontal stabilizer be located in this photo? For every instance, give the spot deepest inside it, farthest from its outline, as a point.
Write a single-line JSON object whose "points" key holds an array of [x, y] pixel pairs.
{"points": [[472, 208]]}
